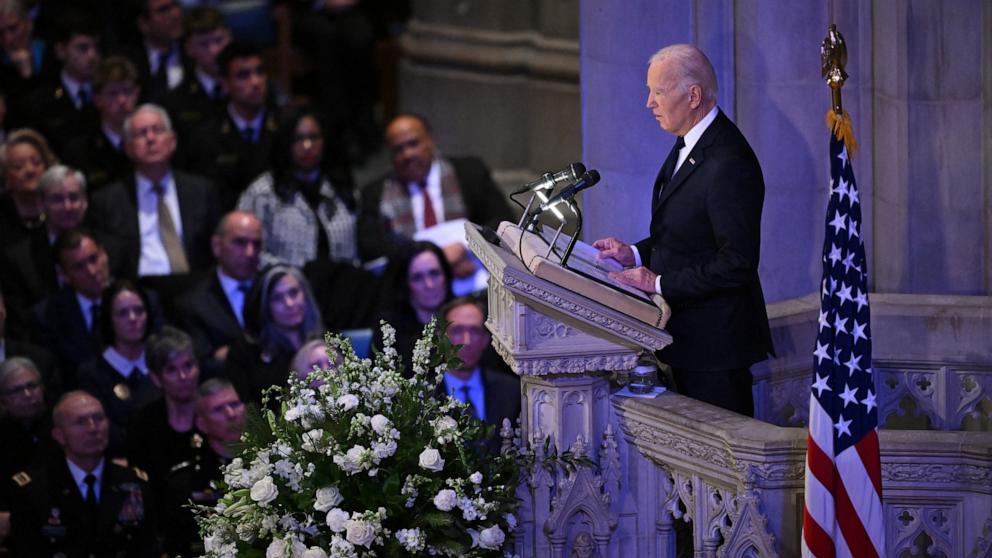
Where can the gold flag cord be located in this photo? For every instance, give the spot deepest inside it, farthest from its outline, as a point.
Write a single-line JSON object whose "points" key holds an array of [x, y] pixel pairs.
{"points": [[841, 127]]}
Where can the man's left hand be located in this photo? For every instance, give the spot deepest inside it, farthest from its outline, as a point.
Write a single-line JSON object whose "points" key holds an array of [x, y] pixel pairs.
{"points": [[641, 278]]}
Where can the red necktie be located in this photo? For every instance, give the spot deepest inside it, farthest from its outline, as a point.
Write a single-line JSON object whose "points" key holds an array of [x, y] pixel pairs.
{"points": [[430, 218]]}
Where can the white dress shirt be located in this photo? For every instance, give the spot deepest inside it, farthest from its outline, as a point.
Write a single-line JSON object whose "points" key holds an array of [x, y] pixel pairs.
{"points": [[235, 296], [174, 68], [476, 391], [433, 190], [86, 307], [72, 89], [154, 259], [255, 123], [123, 365], [79, 477]]}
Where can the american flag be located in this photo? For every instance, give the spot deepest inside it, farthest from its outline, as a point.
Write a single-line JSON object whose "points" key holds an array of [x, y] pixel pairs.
{"points": [[843, 514]]}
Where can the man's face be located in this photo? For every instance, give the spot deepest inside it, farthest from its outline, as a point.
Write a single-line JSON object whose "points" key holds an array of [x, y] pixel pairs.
{"points": [[79, 56], [179, 377], [151, 142], [115, 100], [221, 415], [238, 246], [411, 147], [164, 22], [65, 204], [666, 100], [81, 426], [203, 49], [86, 268], [15, 33], [22, 394], [246, 82], [466, 327]]}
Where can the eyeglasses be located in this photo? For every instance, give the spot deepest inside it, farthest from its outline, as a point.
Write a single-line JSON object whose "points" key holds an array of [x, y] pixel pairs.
{"points": [[22, 389], [422, 276], [459, 331]]}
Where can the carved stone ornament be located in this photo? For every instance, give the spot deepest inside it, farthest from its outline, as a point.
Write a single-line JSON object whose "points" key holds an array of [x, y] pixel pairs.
{"points": [[748, 534], [655, 442], [575, 364], [580, 492], [979, 476]]}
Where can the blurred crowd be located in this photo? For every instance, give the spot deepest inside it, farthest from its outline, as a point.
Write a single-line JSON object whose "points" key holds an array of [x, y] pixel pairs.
{"points": [[178, 229]]}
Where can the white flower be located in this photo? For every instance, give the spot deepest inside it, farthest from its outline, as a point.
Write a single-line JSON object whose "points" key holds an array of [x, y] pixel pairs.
{"points": [[411, 539], [327, 498], [282, 548], [511, 520], [382, 451], [446, 499], [431, 460], [347, 402], [294, 413], [313, 440], [492, 538], [445, 424], [337, 520], [476, 478], [354, 460], [381, 424], [315, 552], [359, 532], [264, 491]]}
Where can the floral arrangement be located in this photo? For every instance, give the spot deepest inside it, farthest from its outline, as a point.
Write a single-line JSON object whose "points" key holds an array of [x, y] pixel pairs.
{"points": [[360, 462]]}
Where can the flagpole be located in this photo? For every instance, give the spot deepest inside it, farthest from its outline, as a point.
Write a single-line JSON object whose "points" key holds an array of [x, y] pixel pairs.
{"points": [[833, 58]]}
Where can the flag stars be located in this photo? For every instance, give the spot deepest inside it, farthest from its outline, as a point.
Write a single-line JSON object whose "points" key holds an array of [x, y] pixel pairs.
{"points": [[842, 190], [823, 320], [850, 395], [820, 385], [843, 427], [859, 331], [844, 294], [861, 298], [840, 324], [843, 156], [839, 222], [855, 198], [821, 352], [853, 364], [869, 400], [835, 254], [849, 262]]}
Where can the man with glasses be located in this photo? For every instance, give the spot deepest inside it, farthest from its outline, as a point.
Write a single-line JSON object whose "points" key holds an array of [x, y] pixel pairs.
{"points": [[80, 503]]}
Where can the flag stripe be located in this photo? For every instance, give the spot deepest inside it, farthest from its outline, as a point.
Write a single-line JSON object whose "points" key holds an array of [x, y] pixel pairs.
{"points": [[816, 541], [851, 528], [867, 448]]}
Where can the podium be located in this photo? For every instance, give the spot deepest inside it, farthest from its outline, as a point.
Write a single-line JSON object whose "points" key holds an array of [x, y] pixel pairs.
{"points": [[564, 334]]}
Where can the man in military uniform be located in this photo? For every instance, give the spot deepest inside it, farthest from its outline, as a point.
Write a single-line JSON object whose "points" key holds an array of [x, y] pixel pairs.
{"points": [[220, 416], [200, 96], [81, 503]]}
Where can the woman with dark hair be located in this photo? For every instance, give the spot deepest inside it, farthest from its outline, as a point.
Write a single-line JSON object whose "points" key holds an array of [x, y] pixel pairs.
{"points": [[280, 316], [118, 377], [421, 280], [23, 159], [306, 205]]}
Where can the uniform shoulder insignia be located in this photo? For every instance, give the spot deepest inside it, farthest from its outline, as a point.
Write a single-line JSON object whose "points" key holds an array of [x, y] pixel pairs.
{"points": [[180, 466], [119, 461], [196, 440], [22, 479], [140, 474]]}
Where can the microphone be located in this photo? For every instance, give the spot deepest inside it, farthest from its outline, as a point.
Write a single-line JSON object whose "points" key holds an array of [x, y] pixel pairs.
{"points": [[588, 180], [568, 174]]}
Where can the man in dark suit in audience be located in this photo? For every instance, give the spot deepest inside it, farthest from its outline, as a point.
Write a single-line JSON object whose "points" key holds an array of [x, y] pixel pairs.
{"points": [[39, 356], [80, 503], [100, 154], [233, 148], [200, 97], [161, 218], [422, 190], [213, 310], [62, 108], [491, 393], [158, 56]]}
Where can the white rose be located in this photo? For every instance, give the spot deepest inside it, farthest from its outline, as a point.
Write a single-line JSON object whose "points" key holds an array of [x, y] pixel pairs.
{"points": [[492, 538], [476, 477], [337, 520], [360, 533], [294, 413], [264, 491], [277, 549], [212, 543], [382, 451], [431, 460], [445, 424], [348, 402], [446, 499], [315, 552], [381, 424], [327, 498]]}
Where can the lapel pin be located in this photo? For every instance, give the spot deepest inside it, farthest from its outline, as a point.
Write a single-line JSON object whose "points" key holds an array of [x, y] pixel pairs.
{"points": [[692, 161]]}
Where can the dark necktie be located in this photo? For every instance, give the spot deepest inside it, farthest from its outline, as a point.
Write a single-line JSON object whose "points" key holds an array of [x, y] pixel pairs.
{"points": [[83, 97], [170, 238], [669, 167], [239, 310], [248, 133], [217, 92], [135, 379], [430, 218], [160, 81], [94, 316], [465, 389], [90, 481]]}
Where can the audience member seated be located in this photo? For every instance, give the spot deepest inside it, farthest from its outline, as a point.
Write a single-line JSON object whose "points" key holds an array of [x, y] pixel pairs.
{"points": [[103, 508], [493, 394], [233, 148], [119, 377], [162, 219], [158, 56], [25, 426], [163, 434], [280, 316], [24, 58], [220, 416], [100, 154], [420, 282], [40, 357], [23, 159], [312, 354], [62, 107], [213, 312], [424, 189], [28, 270], [200, 96], [306, 209]]}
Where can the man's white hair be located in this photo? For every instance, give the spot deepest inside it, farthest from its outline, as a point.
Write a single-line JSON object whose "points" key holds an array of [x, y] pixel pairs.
{"points": [[690, 66]]}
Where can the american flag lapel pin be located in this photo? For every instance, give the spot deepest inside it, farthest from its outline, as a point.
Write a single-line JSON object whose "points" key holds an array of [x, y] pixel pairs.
{"points": [[692, 161]]}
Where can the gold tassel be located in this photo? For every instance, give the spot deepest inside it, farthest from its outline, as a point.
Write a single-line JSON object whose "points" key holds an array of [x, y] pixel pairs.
{"points": [[842, 128]]}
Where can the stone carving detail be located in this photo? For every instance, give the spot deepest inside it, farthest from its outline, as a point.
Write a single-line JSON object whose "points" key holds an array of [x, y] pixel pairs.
{"points": [[748, 534], [908, 394], [926, 528], [789, 401], [579, 492], [974, 408], [983, 546], [573, 364], [936, 473], [547, 328], [656, 436]]}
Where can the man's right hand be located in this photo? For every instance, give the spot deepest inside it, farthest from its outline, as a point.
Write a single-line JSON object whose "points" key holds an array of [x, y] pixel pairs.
{"points": [[612, 247]]}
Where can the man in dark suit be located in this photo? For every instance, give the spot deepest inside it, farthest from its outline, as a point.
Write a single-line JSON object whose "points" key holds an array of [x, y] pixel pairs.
{"points": [[157, 55], [702, 252], [213, 310], [491, 393], [100, 154], [81, 503], [39, 356], [233, 148], [162, 219], [200, 96], [422, 190]]}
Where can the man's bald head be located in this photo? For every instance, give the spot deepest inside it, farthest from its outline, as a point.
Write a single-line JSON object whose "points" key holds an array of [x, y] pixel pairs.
{"points": [[237, 244], [412, 148]]}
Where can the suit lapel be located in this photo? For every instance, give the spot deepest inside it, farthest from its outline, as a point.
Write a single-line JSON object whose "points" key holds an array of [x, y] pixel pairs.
{"points": [[187, 208], [694, 160], [218, 293]]}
